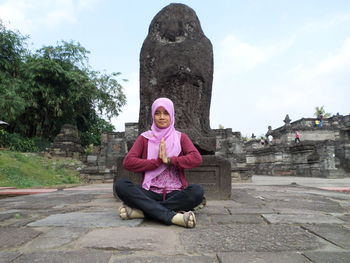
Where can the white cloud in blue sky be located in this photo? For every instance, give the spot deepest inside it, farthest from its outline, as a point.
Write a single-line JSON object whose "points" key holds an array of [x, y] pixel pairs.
{"points": [[271, 57], [30, 16]]}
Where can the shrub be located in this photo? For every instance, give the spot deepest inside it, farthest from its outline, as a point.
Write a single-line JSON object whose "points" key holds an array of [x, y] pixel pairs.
{"points": [[41, 143], [16, 142]]}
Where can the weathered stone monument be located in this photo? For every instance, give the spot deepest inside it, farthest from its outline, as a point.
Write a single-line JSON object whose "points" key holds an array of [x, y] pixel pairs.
{"points": [[176, 62], [67, 143]]}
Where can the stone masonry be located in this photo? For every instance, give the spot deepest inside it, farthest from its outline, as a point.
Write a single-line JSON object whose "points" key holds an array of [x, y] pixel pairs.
{"points": [[67, 143], [323, 151], [260, 223], [101, 164]]}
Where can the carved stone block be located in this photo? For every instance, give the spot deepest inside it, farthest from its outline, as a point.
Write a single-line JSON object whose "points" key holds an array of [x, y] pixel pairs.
{"points": [[214, 175]]}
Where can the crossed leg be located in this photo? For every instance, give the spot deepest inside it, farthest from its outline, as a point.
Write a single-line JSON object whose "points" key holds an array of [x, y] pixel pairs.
{"points": [[139, 203]]}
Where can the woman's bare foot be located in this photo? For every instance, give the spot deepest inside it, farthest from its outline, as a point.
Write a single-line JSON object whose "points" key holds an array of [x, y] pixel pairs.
{"points": [[126, 212], [186, 219]]}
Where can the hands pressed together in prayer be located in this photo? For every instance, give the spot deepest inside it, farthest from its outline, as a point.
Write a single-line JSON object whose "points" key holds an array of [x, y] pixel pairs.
{"points": [[162, 152]]}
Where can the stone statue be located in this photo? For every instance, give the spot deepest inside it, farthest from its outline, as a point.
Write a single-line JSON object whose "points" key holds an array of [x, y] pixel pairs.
{"points": [[287, 120], [176, 62]]}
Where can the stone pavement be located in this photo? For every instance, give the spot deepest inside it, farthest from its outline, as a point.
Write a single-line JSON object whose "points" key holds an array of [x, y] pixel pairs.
{"points": [[267, 220]]}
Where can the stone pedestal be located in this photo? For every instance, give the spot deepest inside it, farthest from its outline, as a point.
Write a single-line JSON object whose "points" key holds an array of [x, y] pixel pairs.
{"points": [[214, 175]]}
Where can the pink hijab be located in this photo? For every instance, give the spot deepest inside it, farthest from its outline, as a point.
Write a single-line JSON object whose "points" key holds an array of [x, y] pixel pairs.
{"points": [[154, 136]]}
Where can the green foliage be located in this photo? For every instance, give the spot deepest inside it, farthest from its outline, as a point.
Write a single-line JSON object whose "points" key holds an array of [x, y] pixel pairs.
{"points": [[89, 149], [321, 111], [245, 138], [42, 90], [16, 142], [18, 216], [110, 97], [12, 50], [12, 54], [93, 134], [23, 170], [63, 90], [41, 144]]}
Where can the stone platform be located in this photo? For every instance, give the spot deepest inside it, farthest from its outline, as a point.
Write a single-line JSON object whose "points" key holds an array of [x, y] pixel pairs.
{"points": [[214, 175], [261, 222]]}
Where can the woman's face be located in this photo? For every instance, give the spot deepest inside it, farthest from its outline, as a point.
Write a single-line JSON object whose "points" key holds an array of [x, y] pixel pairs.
{"points": [[162, 118]]}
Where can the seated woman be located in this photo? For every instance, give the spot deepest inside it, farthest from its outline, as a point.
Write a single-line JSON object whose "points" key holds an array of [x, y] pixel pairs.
{"points": [[162, 154]]}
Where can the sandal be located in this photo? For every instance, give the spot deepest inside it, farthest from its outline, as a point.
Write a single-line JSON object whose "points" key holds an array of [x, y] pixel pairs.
{"points": [[201, 205], [187, 217], [126, 214], [130, 213]]}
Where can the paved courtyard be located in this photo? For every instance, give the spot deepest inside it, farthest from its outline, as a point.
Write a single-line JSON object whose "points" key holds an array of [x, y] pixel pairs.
{"points": [[268, 220]]}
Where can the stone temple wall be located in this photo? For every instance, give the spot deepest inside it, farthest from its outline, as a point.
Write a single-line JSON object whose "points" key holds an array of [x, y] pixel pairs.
{"points": [[101, 164], [230, 145], [305, 159], [323, 151]]}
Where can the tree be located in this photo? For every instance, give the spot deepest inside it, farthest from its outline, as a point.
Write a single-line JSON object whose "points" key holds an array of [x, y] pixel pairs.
{"points": [[321, 111], [42, 90], [12, 54], [62, 89], [93, 134]]}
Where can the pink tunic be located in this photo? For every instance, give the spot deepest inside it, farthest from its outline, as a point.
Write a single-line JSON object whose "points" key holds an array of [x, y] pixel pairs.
{"points": [[166, 182]]}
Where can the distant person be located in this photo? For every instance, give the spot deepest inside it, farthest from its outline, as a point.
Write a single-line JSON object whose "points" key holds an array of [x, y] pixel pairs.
{"points": [[297, 136], [262, 141], [320, 120], [161, 154], [270, 139]]}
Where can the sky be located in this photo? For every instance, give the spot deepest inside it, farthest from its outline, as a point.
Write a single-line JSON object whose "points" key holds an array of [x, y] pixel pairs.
{"points": [[271, 57]]}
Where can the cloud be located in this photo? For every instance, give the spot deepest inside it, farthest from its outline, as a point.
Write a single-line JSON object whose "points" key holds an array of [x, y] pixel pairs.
{"points": [[31, 15], [326, 82], [236, 56], [334, 63], [240, 55], [290, 76], [326, 23], [14, 14]]}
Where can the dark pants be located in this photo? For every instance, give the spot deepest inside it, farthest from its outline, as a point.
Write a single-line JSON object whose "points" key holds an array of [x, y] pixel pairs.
{"points": [[153, 205]]}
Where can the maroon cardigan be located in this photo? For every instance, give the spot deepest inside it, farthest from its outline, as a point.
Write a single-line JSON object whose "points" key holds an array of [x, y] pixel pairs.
{"points": [[136, 159]]}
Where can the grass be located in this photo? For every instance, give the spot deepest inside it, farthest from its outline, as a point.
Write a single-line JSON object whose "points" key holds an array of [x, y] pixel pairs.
{"points": [[25, 170]]}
